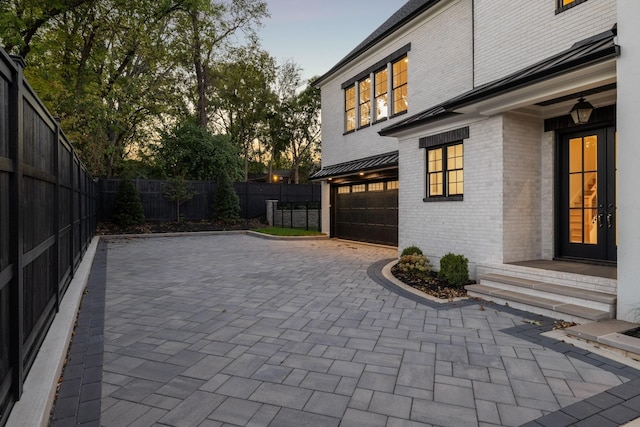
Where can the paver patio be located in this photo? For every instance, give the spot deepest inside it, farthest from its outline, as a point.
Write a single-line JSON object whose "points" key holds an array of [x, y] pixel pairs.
{"points": [[235, 330]]}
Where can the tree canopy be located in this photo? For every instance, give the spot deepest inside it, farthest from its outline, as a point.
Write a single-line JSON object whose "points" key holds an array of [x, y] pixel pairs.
{"points": [[128, 77]]}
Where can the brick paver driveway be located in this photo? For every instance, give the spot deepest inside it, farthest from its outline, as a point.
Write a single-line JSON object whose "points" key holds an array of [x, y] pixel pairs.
{"points": [[237, 330]]}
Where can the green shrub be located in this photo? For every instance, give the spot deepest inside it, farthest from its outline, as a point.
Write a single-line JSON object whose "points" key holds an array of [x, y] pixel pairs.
{"points": [[415, 265], [128, 209], [411, 250], [226, 204], [454, 269]]}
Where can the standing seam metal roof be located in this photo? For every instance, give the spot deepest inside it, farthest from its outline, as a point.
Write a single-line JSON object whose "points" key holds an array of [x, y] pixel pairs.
{"points": [[381, 161]]}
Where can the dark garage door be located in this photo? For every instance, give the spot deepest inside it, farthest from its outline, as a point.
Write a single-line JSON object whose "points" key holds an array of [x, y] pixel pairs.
{"points": [[367, 212]]}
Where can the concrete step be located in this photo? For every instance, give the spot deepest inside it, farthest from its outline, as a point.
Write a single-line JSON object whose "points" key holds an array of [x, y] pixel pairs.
{"points": [[558, 291], [552, 300]]}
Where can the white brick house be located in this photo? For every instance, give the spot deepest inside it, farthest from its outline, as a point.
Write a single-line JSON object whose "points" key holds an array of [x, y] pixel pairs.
{"points": [[449, 128]]}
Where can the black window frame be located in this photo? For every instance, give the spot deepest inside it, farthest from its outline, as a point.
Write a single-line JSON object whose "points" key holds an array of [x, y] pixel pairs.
{"points": [[354, 109], [563, 7], [396, 56], [442, 141], [400, 87], [376, 118], [361, 106]]}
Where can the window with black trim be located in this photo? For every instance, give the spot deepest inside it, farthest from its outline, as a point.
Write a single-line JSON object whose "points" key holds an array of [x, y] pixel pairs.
{"points": [[364, 104], [381, 84], [379, 92], [563, 5], [400, 86], [350, 108], [445, 172], [445, 164]]}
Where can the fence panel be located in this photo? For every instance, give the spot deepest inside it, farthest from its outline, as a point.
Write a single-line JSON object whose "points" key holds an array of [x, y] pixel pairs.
{"points": [[6, 275], [47, 218], [297, 215], [252, 197]]}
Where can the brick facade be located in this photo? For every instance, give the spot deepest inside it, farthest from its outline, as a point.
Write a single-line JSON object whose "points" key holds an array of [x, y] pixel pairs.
{"points": [[509, 208]]}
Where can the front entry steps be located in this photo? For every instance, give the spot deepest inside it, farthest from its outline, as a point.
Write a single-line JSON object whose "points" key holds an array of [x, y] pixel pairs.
{"points": [[561, 302]]}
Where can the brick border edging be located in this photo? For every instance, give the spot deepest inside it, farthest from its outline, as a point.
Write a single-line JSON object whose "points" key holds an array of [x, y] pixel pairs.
{"points": [[79, 396]]}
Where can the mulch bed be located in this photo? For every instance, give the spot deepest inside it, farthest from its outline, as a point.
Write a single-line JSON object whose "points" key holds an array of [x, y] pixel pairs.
{"points": [[431, 285], [176, 227]]}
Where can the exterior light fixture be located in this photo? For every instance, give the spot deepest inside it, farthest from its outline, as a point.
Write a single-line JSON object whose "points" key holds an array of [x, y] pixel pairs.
{"points": [[581, 112]]}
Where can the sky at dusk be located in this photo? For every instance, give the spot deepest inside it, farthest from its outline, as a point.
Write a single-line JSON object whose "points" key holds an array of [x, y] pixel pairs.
{"points": [[317, 34]]}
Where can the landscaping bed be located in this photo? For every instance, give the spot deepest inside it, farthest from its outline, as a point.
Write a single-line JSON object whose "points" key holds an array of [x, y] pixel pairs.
{"points": [[430, 285], [105, 228]]}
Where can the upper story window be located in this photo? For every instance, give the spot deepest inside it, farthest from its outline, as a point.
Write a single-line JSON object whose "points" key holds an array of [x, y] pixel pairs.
{"points": [[364, 105], [445, 165], [381, 81], [562, 5], [377, 93], [350, 108], [400, 85]]}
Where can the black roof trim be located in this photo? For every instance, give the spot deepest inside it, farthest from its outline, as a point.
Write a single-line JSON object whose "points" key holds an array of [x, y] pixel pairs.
{"points": [[406, 13], [588, 51], [380, 161]]}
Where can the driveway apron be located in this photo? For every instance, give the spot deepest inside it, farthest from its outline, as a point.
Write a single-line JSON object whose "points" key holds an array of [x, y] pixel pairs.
{"points": [[235, 330]]}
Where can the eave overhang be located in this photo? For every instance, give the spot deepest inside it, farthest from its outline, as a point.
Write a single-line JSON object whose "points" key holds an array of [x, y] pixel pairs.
{"points": [[587, 64], [404, 15]]}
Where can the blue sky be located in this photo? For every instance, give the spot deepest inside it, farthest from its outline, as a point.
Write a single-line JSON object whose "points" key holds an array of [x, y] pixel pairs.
{"points": [[317, 34]]}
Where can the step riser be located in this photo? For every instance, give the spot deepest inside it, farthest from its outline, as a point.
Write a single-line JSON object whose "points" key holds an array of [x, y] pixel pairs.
{"points": [[532, 309], [572, 280], [537, 293]]}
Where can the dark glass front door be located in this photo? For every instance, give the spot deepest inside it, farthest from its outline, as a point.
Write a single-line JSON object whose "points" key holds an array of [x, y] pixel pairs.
{"points": [[587, 205]]}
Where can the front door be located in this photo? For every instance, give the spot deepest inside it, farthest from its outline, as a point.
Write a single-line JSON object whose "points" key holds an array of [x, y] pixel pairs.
{"points": [[587, 203]]}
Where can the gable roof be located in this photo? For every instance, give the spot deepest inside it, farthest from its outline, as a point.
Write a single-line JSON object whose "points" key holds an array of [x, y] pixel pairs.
{"points": [[406, 13], [585, 52]]}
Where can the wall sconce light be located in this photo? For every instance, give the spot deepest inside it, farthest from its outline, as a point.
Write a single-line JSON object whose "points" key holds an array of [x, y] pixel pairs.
{"points": [[581, 112]]}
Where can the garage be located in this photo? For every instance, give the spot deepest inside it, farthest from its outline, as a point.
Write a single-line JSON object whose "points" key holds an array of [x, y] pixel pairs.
{"points": [[363, 198], [367, 212]]}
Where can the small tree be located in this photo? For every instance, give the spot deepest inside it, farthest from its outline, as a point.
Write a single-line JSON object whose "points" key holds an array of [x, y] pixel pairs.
{"points": [[128, 209], [178, 190], [226, 204]]}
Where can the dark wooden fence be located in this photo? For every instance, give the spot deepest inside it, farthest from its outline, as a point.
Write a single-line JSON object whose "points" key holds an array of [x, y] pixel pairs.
{"points": [[47, 219], [157, 207]]}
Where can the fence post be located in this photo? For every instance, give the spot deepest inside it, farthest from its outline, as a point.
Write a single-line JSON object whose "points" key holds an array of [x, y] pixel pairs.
{"points": [[56, 212], [72, 220], [16, 135], [306, 205]]}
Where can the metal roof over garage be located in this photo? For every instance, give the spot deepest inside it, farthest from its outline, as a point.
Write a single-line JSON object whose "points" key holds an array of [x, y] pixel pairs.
{"points": [[378, 162]]}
